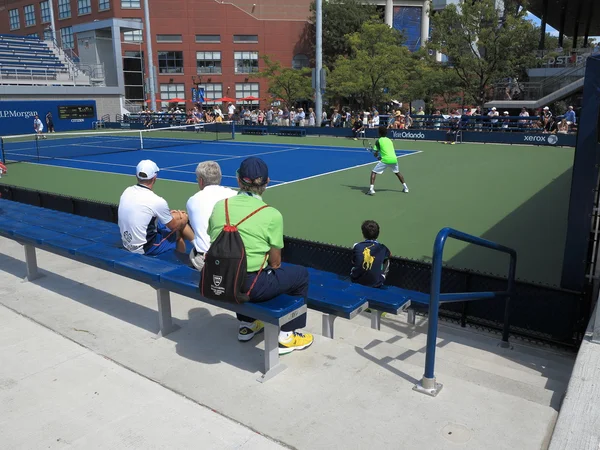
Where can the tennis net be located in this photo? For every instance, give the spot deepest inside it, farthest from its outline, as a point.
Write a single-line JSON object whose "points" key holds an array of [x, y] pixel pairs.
{"points": [[38, 148]]}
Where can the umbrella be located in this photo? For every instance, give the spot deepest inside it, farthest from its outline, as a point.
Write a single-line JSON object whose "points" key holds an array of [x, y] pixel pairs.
{"points": [[250, 98], [175, 100], [158, 100], [225, 99]]}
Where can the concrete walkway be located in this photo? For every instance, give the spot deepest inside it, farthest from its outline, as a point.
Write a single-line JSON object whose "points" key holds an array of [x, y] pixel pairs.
{"points": [[55, 393], [354, 392]]}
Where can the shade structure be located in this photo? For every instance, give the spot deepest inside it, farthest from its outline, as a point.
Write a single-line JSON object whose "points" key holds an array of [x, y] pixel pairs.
{"points": [[225, 99], [250, 98], [175, 100]]}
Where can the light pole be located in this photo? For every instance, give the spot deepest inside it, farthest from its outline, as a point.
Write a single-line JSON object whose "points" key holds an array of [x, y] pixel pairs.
{"points": [[319, 62], [149, 56]]}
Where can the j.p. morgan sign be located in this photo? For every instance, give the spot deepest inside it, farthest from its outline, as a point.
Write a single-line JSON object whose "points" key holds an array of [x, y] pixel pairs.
{"points": [[6, 114]]}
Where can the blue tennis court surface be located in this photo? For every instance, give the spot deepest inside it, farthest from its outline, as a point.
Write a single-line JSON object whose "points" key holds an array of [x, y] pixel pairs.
{"points": [[178, 161]]}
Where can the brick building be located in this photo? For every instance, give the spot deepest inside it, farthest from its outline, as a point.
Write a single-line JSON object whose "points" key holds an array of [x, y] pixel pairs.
{"points": [[202, 43]]}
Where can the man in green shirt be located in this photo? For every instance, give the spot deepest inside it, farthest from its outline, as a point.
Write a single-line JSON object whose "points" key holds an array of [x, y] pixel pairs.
{"points": [[385, 148], [262, 235]]}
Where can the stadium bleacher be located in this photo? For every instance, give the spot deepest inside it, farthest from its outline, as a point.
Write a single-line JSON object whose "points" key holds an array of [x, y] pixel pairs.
{"points": [[29, 61]]}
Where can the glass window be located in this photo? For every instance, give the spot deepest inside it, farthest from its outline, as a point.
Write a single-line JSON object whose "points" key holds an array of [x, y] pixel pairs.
{"points": [[45, 10], [29, 15], [47, 35], [300, 61], [15, 21], [103, 5], [245, 38], [246, 62], [246, 90], [170, 62], [168, 91], [168, 38], [212, 91], [66, 36], [208, 38], [84, 7], [64, 9], [133, 36], [208, 62], [130, 3]]}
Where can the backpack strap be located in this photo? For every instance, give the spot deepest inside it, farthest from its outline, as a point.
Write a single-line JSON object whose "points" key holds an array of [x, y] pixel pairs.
{"points": [[258, 274], [227, 222]]}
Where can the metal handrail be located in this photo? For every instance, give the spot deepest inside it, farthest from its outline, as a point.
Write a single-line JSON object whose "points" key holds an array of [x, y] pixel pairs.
{"points": [[428, 383]]}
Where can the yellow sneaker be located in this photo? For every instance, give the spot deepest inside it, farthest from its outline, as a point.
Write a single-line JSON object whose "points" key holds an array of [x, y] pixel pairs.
{"points": [[246, 333], [297, 341]]}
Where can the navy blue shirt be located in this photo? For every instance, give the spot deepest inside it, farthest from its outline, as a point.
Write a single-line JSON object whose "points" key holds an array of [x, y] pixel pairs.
{"points": [[370, 262]]}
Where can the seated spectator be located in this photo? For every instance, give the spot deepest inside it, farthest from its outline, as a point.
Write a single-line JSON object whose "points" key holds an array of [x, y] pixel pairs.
{"points": [[524, 123], [146, 224], [570, 116], [563, 126], [454, 128], [148, 121], [370, 259], [262, 235], [200, 207], [505, 121], [358, 128], [551, 125]]}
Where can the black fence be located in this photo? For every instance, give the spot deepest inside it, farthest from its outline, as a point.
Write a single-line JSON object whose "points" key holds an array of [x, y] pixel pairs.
{"points": [[540, 314]]}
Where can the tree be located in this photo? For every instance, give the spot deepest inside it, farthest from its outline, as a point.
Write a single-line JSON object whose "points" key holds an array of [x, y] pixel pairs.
{"points": [[431, 81], [483, 45], [376, 69], [290, 85], [341, 18]]}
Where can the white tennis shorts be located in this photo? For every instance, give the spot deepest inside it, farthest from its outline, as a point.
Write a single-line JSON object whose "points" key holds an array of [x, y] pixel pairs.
{"points": [[381, 166]]}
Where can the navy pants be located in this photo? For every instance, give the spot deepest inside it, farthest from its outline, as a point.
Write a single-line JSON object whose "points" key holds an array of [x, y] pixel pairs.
{"points": [[291, 280]]}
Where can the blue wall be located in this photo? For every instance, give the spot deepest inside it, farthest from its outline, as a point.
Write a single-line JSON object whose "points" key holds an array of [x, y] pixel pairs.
{"points": [[16, 117]]}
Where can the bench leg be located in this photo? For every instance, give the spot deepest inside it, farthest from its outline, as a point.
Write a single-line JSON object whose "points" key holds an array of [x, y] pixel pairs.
{"points": [[376, 319], [328, 320], [31, 261], [165, 320], [272, 364], [411, 316]]}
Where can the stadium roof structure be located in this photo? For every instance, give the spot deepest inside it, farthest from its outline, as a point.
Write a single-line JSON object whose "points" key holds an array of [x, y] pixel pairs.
{"points": [[571, 17]]}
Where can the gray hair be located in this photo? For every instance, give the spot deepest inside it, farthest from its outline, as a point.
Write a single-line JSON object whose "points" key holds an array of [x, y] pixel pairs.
{"points": [[209, 172]]}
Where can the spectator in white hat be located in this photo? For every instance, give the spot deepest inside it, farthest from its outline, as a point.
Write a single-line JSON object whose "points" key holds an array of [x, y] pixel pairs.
{"points": [[146, 224], [493, 115]]}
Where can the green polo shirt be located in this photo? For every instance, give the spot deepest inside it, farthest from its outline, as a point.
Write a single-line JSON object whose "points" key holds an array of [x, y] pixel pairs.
{"points": [[385, 146], [259, 233]]}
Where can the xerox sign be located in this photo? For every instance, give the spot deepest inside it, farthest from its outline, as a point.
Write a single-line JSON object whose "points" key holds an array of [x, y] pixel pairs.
{"points": [[16, 117], [551, 139]]}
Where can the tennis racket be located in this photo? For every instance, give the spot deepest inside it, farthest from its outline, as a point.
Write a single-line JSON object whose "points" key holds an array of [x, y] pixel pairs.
{"points": [[368, 144]]}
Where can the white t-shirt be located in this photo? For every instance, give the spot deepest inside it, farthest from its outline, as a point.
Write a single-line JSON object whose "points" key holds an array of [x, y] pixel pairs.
{"points": [[139, 208], [200, 207], [230, 110], [38, 125]]}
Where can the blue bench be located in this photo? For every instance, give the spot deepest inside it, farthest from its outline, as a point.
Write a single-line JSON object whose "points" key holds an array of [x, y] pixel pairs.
{"points": [[291, 131], [256, 130], [94, 242]]}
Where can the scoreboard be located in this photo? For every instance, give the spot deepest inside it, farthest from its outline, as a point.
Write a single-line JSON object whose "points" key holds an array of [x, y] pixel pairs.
{"points": [[76, 112]]}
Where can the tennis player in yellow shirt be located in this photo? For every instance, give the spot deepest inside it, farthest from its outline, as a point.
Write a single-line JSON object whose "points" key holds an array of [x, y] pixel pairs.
{"points": [[384, 147]]}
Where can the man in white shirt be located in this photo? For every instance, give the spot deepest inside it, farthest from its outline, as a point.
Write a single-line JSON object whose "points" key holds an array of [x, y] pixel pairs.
{"points": [[38, 126], [200, 207], [230, 111], [146, 224]]}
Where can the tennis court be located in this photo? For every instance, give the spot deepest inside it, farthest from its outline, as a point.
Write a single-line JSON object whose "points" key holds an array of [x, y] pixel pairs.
{"points": [[515, 195]]}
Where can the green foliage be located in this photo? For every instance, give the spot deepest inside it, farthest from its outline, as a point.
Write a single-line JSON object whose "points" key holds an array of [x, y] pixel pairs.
{"points": [[431, 81], [376, 69], [341, 18], [482, 46], [289, 85]]}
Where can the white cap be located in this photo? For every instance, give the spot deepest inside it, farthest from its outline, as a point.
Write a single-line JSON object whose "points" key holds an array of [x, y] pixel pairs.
{"points": [[493, 108], [146, 170], [546, 108], [505, 112]]}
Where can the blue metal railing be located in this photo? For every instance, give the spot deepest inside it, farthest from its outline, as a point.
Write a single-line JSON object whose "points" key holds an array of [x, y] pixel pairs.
{"points": [[436, 297]]}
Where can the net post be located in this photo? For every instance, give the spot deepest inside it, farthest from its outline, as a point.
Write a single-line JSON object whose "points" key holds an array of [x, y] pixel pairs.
{"points": [[233, 129], [37, 147], [2, 155]]}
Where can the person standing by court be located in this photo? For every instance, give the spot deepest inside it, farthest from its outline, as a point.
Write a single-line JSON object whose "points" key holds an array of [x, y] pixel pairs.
{"points": [[262, 236], [49, 122], [38, 126], [146, 224], [200, 207]]}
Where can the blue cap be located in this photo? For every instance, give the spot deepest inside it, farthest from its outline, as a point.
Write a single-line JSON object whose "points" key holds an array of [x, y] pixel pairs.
{"points": [[251, 170]]}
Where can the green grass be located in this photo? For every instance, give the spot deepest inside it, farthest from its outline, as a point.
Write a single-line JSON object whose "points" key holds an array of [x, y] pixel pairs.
{"points": [[514, 195]]}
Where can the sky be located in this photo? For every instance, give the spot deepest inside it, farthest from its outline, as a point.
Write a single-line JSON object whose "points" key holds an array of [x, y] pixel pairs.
{"points": [[551, 30]]}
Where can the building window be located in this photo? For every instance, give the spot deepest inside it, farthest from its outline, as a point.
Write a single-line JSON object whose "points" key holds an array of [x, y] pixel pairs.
{"points": [[29, 15], [66, 36], [64, 9], [33, 35], [245, 38], [170, 62], [45, 10], [212, 91], [243, 90], [47, 35], [168, 38], [84, 7], [169, 91], [212, 38], [130, 3], [208, 62], [103, 5], [133, 36], [15, 22], [246, 62], [300, 61]]}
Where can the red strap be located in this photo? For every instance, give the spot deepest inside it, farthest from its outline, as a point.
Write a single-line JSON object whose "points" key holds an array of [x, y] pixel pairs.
{"points": [[249, 215], [257, 275]]}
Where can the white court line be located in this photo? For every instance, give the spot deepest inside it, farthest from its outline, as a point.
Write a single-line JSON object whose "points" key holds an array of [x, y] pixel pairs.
{"points": [[227, 158], [338, 170]]}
